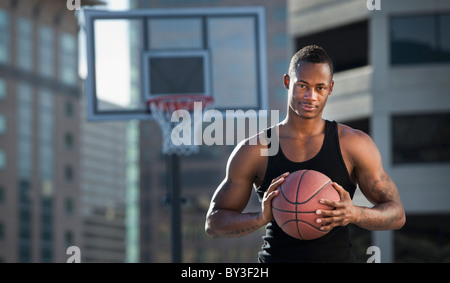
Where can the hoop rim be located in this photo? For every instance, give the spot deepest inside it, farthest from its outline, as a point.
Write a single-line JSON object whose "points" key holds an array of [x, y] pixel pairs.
{"points": [[179, 101], [163, 107]]}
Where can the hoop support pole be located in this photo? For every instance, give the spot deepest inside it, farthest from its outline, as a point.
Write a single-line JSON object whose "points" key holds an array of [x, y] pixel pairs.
{"points": [[173, 182]]}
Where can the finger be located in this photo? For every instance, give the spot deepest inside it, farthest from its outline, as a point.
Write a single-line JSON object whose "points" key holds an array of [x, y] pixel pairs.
{"points": [[341, 191], [327, 228], [272, 194], [329, 221], [327, 213], [274, 186], [331, 203], [277, 181], [282, 176]]}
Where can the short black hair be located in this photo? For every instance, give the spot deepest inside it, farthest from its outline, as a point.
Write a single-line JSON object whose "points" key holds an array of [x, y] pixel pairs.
{"points": [[311, 54]]}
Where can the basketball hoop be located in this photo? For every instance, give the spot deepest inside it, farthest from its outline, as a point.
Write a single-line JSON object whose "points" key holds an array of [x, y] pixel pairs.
{"points": [[163, 107]]}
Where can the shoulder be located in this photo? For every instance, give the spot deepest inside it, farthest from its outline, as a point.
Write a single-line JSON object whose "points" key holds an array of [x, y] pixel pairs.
{"points": [[356, 143], [349, 134], [249, 149]]}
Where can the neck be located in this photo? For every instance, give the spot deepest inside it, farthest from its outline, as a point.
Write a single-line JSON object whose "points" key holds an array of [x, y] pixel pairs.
{"points": [[300, 126]]}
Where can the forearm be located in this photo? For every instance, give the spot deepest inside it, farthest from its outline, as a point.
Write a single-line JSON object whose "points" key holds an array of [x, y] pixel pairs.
{"points": [[385, 216], [224, 223]]}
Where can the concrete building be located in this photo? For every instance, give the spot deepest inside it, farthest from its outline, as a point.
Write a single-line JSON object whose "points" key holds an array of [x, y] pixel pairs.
{"points": [[39, 140], [103, 179], [63, 181], [392, 69]]}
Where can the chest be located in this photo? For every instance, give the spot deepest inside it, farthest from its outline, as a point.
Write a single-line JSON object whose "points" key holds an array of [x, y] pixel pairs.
{"points": [[295, 150], [301, 149], [322, 153]]}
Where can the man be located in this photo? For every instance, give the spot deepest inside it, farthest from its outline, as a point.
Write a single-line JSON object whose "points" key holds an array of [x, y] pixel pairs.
{"points": [[306, 141]]}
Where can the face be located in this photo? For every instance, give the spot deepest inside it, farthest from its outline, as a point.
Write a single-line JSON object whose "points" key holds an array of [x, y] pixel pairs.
{"points": [[309, 88]]}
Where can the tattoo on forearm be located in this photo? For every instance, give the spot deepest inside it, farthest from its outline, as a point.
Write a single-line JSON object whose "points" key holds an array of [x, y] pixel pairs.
{"points": [[226, 187], [247, 230], [384, 188], [383, 191]]}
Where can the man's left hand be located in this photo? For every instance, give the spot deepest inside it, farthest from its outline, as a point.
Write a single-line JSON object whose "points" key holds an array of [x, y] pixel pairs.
{"points": [[341, 213]]}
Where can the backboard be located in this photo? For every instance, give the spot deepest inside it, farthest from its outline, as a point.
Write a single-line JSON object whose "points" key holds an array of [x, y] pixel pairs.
{"points": [[137, 54]]}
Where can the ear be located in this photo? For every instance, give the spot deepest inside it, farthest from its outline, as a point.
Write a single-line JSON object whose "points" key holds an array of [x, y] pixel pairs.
{"points": [[331, 87], [286, 81]]}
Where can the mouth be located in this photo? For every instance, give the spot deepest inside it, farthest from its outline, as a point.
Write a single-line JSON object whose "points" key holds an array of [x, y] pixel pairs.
{"points": [[307, 106]]}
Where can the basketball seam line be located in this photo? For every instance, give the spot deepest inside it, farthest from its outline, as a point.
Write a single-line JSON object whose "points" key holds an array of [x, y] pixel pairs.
{"points": [[308, 198], [296, 211], [293, 211], [296, 221]]}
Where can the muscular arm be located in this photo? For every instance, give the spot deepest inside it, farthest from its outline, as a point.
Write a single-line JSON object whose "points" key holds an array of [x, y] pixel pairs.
{"points": [[225, 217], [376, 185]]}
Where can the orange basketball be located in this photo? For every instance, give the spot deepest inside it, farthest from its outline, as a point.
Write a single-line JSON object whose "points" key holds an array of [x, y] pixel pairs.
{"points": [[294, 208]]}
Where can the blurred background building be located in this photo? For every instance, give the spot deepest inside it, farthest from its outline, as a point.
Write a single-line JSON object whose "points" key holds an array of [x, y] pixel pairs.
{"points": [[102, 186], [392, 69], [40, 132], [63, 181]]}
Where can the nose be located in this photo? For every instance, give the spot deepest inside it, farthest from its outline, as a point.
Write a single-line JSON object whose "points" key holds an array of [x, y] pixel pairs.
{"points": [[310, 94]]}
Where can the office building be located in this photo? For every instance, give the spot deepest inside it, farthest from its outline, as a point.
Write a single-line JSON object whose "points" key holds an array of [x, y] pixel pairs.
{"points": [[392, 67], [63, 180]]}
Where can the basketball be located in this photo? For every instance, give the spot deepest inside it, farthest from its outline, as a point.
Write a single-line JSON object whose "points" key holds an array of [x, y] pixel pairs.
{"points": [[294, 208]]}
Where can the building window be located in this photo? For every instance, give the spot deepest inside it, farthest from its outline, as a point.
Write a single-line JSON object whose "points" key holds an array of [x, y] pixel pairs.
{"points": [[68, 141], [2, 160], [69, 109], [25, 44], [25, 227], [68, 59], [444, 37], [421, 138], [2, 124], [420, 39], [2, 87], [68, 238], [46, 129], [362, 124], [4, 37], [2, 195], [68, 172], [25, 129], [69, 207], [46, 51], [347, 45]]}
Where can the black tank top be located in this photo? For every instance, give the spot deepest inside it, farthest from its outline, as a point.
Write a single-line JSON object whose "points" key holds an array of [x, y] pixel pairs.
{"points": [[334, 246]]}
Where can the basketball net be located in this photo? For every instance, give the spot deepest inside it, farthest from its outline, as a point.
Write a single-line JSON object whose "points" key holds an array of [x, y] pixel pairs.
{"points": [[163, 109]]}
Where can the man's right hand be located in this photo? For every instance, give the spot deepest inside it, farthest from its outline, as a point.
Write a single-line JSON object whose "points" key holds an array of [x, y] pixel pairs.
{"points": [[266, 204]]}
